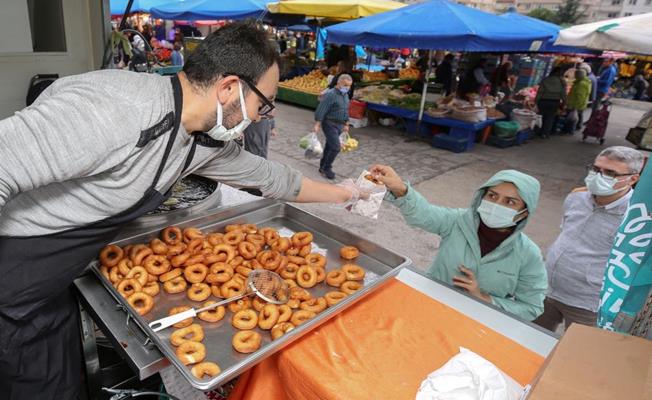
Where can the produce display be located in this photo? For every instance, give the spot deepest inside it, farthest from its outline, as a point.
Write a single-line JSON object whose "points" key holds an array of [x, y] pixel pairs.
{"points": [[409, 73], [374, 94], [203, 265], [368, 76], [314, 83]]}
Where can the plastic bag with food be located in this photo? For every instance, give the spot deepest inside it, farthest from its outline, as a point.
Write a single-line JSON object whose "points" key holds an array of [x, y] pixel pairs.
{"points": [[376, 190], [347, 143], [312, 145]]}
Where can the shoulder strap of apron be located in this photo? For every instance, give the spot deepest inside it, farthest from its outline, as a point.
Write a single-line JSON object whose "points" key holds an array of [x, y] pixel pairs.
{"points": [[178, 105]]}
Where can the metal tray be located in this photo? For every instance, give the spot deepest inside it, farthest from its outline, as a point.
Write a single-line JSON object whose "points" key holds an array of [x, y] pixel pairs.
{"points": [[379, 263]]}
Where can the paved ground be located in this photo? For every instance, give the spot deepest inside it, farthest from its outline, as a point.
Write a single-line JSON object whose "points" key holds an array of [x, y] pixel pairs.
{"points": [[446, 178]]}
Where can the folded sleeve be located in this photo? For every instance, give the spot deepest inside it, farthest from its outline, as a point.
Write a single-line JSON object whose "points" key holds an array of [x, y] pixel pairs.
{"points": [[236, 167], [418, 212]]}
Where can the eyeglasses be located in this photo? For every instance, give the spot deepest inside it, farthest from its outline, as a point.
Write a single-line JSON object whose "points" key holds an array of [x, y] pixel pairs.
{"points": [[605, 172], [267, 106]]}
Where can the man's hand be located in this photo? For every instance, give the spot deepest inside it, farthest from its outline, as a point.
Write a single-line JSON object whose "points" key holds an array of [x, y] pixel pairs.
{"points": [[389, 178], [273, 133], [346, 128], [467, 281], [316, 127]]}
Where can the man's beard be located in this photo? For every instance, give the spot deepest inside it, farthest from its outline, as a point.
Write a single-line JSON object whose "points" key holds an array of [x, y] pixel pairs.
{"points": [[231, 116]]}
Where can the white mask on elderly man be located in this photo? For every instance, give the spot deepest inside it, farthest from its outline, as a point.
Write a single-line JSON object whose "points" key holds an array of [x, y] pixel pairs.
{"points": [[220, 132], [600, 185]]}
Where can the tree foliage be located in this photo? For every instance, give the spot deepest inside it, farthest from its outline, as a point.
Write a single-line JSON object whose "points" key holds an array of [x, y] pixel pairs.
{"points": [[569, 13], [544, 14]]}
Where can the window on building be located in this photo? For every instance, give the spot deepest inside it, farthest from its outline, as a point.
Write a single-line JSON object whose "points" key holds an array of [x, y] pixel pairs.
{"points": [[632, 2], [648, 2], [627, 15], [616, 2], [46, 25], [612, 15], [528, 6]]}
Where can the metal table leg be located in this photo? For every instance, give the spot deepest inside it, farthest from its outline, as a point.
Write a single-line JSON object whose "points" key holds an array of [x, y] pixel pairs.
{"points": [[91, 358]]}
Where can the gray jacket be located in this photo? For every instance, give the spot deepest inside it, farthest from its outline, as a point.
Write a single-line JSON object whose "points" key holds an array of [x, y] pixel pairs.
{"points": [[90, 145]]}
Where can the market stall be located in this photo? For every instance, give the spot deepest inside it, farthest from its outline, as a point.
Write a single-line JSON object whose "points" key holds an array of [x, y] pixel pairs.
{"points": [[461, 28], [304, 90]]}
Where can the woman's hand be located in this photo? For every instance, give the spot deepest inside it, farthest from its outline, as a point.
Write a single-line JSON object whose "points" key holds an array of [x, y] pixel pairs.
{"points": [[389, 178], [467, 281]]}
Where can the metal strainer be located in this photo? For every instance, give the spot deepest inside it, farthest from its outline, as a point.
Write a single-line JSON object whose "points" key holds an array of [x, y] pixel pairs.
{"points": [[265, 284]]}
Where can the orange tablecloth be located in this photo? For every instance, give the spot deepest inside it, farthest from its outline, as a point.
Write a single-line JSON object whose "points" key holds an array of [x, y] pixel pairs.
{"points": [[381, 348]]}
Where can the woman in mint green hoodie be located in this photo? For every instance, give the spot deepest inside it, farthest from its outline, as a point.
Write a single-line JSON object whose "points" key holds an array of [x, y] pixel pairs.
{"points": [[483, 248]]}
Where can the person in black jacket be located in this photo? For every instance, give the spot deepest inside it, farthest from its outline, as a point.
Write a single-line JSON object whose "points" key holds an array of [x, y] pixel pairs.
{"points": [[444, 73]]}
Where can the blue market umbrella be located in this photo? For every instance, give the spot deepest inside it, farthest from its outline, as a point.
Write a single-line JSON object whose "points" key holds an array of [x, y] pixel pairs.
{"points": [[537, 25], [210, 9], [118, 6], [438, 25]]}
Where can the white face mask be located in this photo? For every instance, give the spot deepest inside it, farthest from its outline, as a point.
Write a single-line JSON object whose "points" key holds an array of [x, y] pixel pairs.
{"points": [[496, 216], [600, 185], [220, 132]]}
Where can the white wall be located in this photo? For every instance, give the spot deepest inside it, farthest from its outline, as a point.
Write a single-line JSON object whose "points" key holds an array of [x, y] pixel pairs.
{"points": [[84, 29], [15, 34]]}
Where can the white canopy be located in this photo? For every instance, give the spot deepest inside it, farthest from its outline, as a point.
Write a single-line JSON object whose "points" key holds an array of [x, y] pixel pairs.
{"points": [[629, 34]]}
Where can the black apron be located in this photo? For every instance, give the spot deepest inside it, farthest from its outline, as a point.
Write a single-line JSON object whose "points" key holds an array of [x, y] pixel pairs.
{"points": [[40, 346]]}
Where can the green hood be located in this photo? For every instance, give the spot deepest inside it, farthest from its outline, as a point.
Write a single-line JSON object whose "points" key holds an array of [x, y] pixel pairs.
{"points": [[528, 188]]}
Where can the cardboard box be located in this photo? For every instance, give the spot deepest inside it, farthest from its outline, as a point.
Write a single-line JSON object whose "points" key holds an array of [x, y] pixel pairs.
{"points": [[593, 364]]}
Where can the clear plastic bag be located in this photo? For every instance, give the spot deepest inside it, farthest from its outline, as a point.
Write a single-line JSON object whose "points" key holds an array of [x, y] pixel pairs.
{"points": [[347, 143], [371, 206], [312, 145]]}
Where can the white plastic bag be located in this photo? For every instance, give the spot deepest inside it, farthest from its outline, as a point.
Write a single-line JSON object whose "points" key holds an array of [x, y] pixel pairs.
{"points": [[371, 206], [467, 376], [312, 145]]}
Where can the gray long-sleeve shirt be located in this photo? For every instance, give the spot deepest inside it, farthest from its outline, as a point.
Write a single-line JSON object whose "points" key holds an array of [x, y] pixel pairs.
{"points": [[79, 154], [578, 258]]}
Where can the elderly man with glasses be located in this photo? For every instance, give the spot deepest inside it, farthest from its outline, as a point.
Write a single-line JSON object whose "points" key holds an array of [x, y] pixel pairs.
{"points": [[577, 259]]}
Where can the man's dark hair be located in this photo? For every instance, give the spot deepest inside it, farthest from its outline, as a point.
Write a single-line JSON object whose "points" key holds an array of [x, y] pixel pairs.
{"points": [[240, 48]]}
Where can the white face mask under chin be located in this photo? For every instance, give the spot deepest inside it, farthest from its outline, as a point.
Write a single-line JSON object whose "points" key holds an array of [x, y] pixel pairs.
{"points": [[220, 132]]}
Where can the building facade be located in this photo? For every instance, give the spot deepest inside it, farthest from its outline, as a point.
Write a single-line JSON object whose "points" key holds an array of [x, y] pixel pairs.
{"points": [[622, 8]]}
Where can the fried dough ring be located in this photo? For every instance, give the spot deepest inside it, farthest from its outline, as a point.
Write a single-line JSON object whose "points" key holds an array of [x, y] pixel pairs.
{"points": [[111, 255], [213, 315], [245, 319], [246, 341], [335, 278], [191, 352], [172, 235], [306, 276], [141, 302], [281, 329], [190, 333]]}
